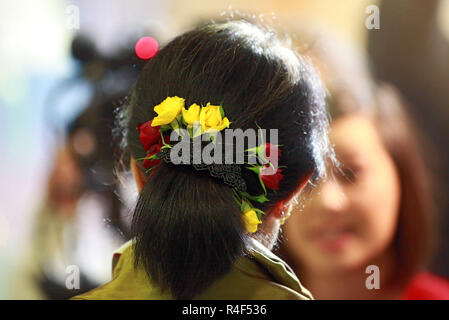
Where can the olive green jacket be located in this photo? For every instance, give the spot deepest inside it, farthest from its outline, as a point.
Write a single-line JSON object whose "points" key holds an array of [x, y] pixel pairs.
{"points": [[261, 275]]}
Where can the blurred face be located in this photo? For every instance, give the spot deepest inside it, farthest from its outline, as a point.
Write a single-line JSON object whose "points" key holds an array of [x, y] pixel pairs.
{"points": [[350, 218]]}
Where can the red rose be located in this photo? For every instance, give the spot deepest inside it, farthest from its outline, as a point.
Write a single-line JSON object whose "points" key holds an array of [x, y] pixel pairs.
{"points": [[167, 138], [148, 134], [154, 149], [271, 181], [271, 149], [149, 163]]}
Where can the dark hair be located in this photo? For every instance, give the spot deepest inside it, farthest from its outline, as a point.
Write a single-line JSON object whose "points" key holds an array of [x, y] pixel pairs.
{"points": [[415, 239], [188, 228]]}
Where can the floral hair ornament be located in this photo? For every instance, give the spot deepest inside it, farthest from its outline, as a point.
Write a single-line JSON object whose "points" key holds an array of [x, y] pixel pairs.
{"points": [[198, 120], [146, 48]]}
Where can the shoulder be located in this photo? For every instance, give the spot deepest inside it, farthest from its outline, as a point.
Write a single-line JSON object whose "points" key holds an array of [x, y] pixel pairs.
{"points": [[427, 286], [260, 275], [248, 280], [127, 281]]}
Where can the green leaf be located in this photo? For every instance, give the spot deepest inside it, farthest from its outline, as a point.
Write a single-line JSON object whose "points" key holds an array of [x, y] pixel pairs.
{"points": [[259, 213], [261, 135], [253, 150], [237, 197], [165, 128], [183, 122], [149, 170], [263, 185], [196, 130], [245, 206], [174, 124], [255, 169], [150, 157], [190, 131], [260, 198], [163, 141], [221, 111]]}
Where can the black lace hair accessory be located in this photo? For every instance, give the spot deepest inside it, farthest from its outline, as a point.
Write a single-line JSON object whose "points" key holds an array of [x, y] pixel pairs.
{"points": [[231, 174]]}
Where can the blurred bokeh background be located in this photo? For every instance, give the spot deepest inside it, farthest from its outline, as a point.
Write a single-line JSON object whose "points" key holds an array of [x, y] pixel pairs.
{"points": [[66, 65]]}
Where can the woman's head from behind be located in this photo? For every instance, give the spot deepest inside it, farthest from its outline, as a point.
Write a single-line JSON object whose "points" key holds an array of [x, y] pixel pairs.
{"points": [[188, 227], [377, 202]]}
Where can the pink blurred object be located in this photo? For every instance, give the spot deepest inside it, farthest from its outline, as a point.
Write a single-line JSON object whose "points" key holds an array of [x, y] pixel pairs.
{"points": [[146, 48]]}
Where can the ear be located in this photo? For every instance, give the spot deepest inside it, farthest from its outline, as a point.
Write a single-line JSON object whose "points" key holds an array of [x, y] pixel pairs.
{"points": [[285, 206], [304, 180], [138, 176]]}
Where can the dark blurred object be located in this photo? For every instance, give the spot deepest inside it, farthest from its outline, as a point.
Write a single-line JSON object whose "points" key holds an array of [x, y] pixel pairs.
{"points": [[85, 163], [410, 51], [83, 49], [89, 135]]}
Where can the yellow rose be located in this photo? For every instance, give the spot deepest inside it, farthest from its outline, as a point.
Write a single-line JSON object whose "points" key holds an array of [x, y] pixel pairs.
{"points": [[191, 115], [210, 118], [167, 111], [251, 220]]}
